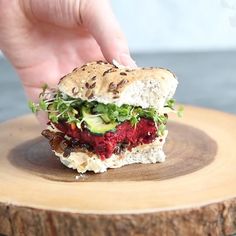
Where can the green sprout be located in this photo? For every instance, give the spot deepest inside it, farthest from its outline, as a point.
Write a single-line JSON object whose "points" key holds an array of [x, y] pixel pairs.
{"points": [[60, 106]]}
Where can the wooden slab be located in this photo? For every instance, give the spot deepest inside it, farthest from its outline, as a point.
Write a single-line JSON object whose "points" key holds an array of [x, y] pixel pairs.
{"points": [[186, 153], [192, 193]]}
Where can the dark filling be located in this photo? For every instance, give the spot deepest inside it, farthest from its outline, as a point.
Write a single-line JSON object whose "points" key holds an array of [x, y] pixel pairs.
{"points": [[124, 137]]}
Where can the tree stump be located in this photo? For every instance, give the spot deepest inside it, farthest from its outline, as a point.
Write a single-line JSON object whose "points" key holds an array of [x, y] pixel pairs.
{"points": [[192, 193]]}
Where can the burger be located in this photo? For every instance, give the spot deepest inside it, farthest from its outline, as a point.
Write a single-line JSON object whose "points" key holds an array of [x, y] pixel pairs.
{"points": [[104, 116]]}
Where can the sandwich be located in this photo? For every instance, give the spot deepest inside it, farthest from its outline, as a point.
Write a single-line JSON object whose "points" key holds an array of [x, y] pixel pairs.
{"points": [[104, 116]]}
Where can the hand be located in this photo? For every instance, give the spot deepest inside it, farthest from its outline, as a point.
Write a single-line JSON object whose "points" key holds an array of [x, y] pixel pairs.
{"points": [[45, 39]]}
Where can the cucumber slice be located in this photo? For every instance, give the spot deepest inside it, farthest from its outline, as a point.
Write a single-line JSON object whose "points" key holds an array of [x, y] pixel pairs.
{"points": [[105, 118], [95, 123]]}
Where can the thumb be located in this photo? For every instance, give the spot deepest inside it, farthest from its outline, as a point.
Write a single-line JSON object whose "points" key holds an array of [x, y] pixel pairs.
{"points": [[98, 18]]}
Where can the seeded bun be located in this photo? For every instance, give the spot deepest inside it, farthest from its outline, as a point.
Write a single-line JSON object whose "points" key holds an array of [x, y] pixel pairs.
{"points": [[107, 83], [83, 161]]}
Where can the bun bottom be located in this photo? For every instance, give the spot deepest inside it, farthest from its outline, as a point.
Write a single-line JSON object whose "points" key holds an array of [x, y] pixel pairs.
{"points": [[146, 153]]}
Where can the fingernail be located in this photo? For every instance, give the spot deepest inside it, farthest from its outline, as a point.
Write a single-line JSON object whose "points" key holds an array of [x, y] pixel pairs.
{"points": [[126, 60]]}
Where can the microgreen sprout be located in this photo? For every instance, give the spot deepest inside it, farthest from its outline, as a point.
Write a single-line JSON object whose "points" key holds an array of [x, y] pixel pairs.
{"points": [[60, 106]]}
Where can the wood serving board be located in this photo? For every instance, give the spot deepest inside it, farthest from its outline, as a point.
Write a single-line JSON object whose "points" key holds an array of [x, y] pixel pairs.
{"points": [[192, 193]]}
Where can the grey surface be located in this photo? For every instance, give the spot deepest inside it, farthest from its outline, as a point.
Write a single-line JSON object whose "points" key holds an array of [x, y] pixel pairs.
{"points": [[12, 99], [205, 79]]}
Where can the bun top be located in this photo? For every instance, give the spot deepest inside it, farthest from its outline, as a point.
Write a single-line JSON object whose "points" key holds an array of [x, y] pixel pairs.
{"points": [[106, 83]]}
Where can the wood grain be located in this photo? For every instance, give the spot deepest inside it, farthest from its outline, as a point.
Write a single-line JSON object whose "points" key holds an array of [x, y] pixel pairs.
{"points": [[197, 198], [186, 153]]}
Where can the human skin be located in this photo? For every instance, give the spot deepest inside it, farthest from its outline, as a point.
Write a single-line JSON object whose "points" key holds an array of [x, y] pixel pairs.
{"points": [[45, 39]]}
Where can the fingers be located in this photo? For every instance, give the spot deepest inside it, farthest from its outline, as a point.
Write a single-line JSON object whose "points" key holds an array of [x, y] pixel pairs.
{"points": [[57, 12], [98, 18]]}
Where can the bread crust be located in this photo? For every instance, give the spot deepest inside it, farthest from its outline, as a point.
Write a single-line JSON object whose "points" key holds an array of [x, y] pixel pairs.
{"points": [[106, 83]]}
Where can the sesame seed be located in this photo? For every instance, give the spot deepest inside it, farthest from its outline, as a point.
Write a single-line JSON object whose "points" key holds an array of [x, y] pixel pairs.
{"points": [[121, 83], [62, 77], [111, 87], [92, 85], [75, 91], [107, 71], [91, 95], [87, 85]]}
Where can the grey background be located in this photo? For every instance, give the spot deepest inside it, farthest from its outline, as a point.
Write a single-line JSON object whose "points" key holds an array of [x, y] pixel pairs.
{"points": [[172, 34], [174, 25], [206, 79]]}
